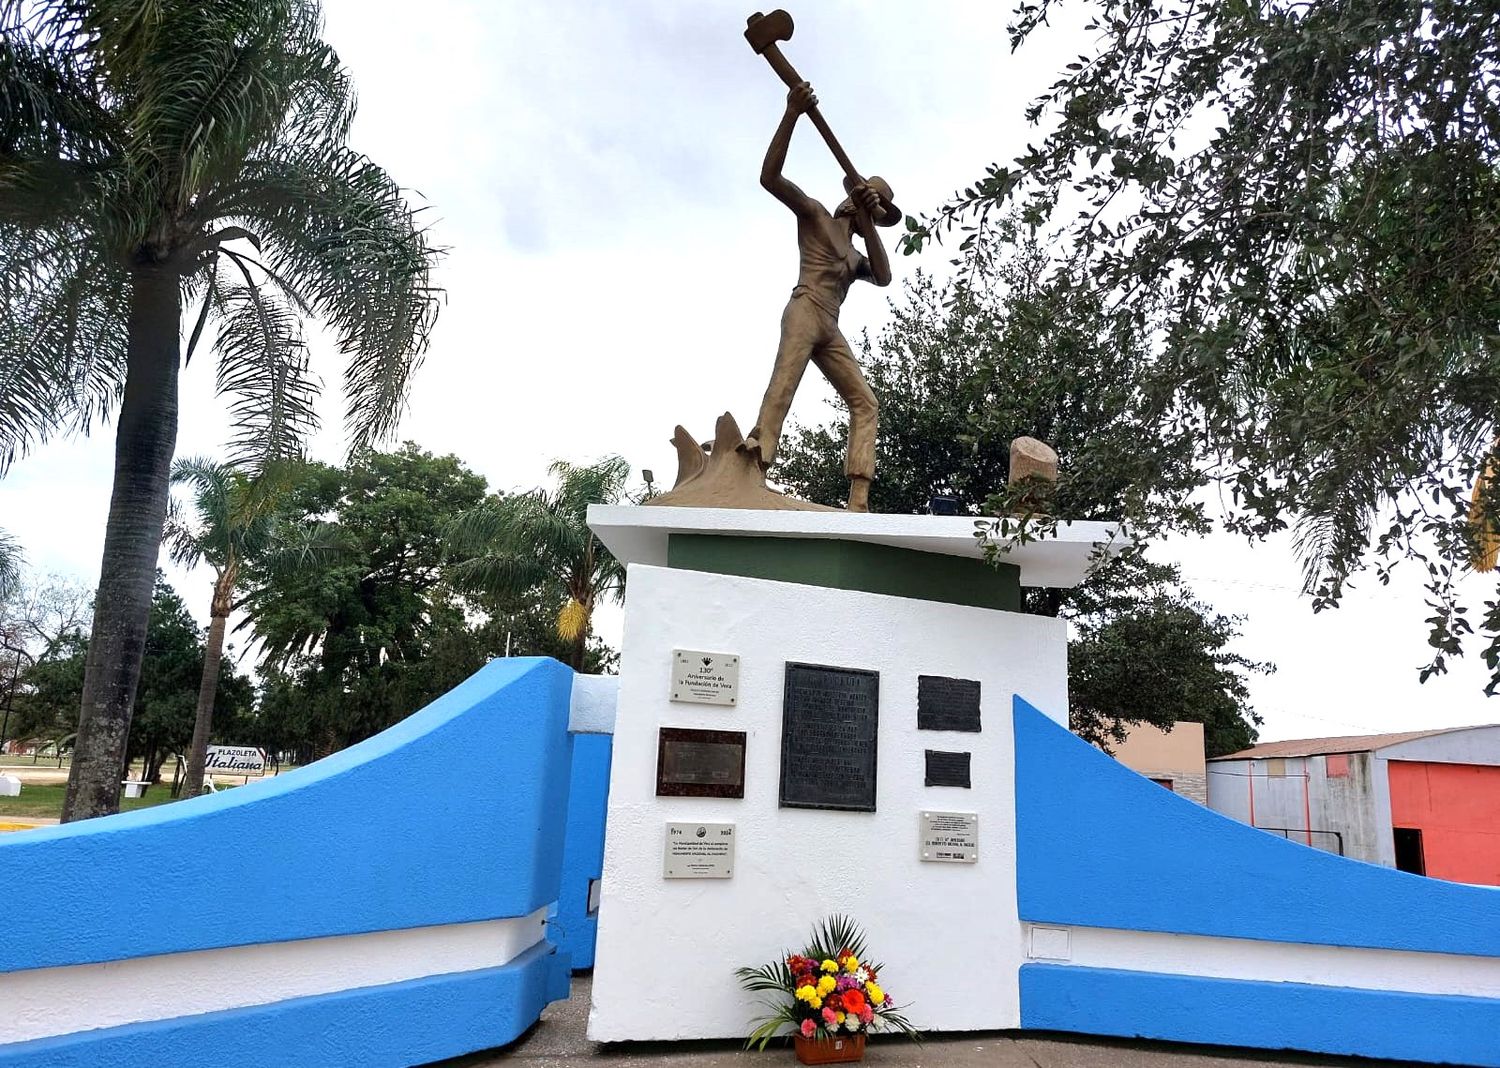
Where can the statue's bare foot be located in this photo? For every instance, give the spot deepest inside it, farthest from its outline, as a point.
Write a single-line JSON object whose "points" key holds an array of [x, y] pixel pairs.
{"points": [[859, 494]]}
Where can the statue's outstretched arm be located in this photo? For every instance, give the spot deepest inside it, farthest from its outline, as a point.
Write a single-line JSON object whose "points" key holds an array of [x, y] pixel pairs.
{"points": [[797, 101]]}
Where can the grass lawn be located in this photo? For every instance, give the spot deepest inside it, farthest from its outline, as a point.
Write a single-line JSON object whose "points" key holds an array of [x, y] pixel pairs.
{"points": [[39, 802]]}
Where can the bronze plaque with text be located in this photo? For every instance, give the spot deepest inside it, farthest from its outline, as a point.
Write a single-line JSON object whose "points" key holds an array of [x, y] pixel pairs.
{"points": [[829, 724], [697, 763]]}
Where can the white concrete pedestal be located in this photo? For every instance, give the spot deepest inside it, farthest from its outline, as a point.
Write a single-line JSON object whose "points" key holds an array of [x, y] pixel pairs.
{"points": [[947, 933]]}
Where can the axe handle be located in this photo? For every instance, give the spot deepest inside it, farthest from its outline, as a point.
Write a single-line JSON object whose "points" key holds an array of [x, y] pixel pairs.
{"points": [[787, 73]]}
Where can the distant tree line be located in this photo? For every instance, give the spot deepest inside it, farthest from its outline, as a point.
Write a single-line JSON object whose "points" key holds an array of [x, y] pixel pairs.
{"points": [[352, 607]]}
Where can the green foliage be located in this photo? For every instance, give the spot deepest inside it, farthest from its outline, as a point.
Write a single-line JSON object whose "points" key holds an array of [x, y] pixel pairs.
{"points": [[166, 698], [539, 544], [10, 565], [205, 138], [1300, 202], [1144, 650], [365, 634], [962, 372]]}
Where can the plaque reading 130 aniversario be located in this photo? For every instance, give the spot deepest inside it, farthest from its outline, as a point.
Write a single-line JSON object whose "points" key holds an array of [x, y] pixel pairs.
{"points": [[829, 724]]}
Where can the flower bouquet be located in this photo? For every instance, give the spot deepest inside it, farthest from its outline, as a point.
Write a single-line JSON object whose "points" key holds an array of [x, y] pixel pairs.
{"points": [[831, 996]]}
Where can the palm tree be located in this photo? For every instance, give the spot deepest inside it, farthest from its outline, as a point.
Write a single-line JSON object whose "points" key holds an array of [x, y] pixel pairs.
{"points": [[234, 522], [510, 546], [157, 155]]}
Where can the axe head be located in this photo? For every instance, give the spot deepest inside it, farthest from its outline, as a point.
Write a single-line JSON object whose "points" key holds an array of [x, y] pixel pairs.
{"points": [[764, 31]]}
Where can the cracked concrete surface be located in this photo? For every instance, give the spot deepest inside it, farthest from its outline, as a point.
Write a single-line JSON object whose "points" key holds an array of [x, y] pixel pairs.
{"points": [[558, 1041]]}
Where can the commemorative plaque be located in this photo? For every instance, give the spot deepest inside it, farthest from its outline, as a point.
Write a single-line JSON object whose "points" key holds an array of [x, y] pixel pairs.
{"points": [[945, 704], [705, 678], [829, 721], [947, 769], [698, 851], [694, 763], [949, 837]]}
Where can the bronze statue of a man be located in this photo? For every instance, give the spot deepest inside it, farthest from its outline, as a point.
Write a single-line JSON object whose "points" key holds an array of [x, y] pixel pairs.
{"points": [[830, 263]]}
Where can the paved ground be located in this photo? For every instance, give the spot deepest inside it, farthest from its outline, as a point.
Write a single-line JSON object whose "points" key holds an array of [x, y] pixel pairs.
{"points": [[558, 1042]]}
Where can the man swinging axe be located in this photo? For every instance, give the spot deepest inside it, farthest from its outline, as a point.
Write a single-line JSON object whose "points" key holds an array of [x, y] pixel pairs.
{"points": [[829, 264]]}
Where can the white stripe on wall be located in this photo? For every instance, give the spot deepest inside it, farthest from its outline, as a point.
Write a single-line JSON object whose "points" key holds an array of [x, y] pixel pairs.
{"points": [[57, 1001], [1276, 962]]}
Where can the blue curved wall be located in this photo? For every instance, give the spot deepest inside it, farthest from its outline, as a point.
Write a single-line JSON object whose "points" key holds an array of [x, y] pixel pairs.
{"points": [[1100, 846], [572, 926], [1094, 840], [456, 814]]}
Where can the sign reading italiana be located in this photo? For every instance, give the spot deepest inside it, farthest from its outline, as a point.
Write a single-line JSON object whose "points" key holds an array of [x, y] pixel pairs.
{"points": [[234, 760]]}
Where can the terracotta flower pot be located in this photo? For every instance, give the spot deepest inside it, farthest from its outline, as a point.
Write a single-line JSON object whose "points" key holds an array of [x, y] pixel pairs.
{"points": [[838, 1050]]}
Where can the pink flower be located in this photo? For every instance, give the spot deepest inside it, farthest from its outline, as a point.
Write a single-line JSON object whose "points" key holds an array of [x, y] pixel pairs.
{"points": [[829, 1016], [866, 1016], [808, 1027]]}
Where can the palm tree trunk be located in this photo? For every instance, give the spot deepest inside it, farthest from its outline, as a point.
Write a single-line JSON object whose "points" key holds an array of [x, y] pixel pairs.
{"points": [[213, 655], [144, 442]]}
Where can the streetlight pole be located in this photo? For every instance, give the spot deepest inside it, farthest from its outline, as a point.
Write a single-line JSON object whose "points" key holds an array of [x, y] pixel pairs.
{"points": [[10, 693]]}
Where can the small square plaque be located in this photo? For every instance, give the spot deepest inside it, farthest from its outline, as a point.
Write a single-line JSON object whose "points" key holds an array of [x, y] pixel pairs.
{"points": [[945, 704], [705, 678], [695, 763], [949, 837], [947, 769], [698, 851]]}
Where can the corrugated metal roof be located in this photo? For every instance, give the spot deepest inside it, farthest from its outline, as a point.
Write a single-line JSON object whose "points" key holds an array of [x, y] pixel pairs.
{"points": [[1353, 743]]}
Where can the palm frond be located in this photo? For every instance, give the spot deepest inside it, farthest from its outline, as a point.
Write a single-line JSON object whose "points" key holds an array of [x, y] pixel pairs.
{"points": [[341, 231], [836, 936], [63, 308], [11, 559], [264, 367]]}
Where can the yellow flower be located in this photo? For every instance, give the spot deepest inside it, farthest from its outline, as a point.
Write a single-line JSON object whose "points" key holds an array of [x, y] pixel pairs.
{"points": [[806, 993], [876, 994], [851, 963], [830, 966], [815, 1001], [841, 1017], [826, 984]]}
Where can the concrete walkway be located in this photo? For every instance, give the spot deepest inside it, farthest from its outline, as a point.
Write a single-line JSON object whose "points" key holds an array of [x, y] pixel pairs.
{"points": [[558, 1041]]}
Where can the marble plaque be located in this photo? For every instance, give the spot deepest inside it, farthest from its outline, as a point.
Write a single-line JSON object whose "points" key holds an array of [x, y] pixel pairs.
{"points": [[949, 837], [705, 678], [829, 726], [698, 851], [945, 704], [697, 763]]}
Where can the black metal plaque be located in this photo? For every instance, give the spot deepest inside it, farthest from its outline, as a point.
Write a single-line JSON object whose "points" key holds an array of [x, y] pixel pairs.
{"points": [[829, 721], [947, 769], [694, 763], [945, 704]]}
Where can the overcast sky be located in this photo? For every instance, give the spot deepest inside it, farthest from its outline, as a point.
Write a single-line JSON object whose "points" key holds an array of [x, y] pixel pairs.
{"points": [[615, 269]]}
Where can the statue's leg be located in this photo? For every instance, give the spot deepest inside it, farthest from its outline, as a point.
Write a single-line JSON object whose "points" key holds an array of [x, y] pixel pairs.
{"points": [[802, 328], [839, 366]]}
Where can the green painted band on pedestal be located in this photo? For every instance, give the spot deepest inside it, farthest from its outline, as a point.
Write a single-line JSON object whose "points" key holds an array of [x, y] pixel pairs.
{"points": [[852, 565]]}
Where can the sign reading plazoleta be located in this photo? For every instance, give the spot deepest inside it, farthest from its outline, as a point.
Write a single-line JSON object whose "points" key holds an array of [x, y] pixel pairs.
{"points": [[234, 760]]}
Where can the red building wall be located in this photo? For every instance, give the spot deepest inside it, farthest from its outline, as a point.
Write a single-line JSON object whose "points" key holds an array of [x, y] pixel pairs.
{"points": [[1457, 808]]}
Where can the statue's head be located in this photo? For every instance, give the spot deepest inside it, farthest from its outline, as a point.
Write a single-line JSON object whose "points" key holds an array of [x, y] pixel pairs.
{"points": [[889, 217]]}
